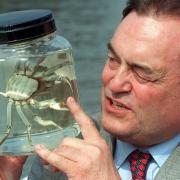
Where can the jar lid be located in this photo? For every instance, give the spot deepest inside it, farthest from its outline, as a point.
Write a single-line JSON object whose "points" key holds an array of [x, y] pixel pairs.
{"points": [[25, 25]]}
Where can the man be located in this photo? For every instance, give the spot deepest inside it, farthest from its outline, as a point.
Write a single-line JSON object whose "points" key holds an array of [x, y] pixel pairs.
{"points": [[140, 104]]}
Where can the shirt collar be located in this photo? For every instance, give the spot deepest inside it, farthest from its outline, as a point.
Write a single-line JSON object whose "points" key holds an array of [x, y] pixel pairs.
{"points": [[159, 152], [122, 151]]}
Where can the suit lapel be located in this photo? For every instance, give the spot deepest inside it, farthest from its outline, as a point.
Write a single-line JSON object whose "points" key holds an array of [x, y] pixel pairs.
{"points": [[171, 168]]}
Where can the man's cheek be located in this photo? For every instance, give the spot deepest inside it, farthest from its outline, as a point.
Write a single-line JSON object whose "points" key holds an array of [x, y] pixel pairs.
{"points": [[107, 74], [146, 96]]}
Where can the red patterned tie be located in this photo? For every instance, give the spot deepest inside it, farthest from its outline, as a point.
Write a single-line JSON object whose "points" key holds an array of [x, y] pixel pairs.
{"points": [[138, 163]]}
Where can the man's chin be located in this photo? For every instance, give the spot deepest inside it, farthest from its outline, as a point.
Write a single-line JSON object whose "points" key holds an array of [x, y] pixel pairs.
{"points": [[118, 129]]}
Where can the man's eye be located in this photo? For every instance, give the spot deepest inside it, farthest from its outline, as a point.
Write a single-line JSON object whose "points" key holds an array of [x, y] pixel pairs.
{"points": [[144, 78], [113, 62]]}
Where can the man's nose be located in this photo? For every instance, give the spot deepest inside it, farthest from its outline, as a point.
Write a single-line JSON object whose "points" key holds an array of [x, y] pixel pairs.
{"points": [[121, 82]]}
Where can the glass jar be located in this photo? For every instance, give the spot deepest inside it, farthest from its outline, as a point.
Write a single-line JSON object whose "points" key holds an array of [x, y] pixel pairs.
{"points": [[37, 75]]}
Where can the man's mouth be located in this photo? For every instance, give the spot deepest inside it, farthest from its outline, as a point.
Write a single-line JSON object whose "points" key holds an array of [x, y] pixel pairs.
{"points": [[117, 105]]}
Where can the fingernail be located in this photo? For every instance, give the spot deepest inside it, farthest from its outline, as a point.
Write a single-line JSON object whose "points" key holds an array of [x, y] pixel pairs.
{"points": [[71, 99], [39, 147]]}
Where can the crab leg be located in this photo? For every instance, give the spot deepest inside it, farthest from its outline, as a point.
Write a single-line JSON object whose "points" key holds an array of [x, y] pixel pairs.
{"points": [[32, 67], [8, 127], [3, 94], [49, 74], [67, 81], [38, 119], [20, 67], [27, 67], [25, 121], [50, 103]]}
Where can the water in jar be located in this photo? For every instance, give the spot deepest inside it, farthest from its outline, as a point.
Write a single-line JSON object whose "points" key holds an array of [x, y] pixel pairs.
{"points": [[33, 93]]}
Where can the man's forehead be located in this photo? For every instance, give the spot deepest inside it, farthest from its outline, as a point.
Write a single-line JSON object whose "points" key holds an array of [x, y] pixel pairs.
{"points": [[150, 26], [147, 39]]}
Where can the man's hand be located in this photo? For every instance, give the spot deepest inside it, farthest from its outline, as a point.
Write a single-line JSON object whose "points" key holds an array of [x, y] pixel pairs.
{"points": [[82, 159], [11, 167]]}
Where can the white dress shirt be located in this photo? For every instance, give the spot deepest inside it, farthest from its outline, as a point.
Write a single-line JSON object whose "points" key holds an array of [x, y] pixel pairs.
{"points": [[160, 154]]}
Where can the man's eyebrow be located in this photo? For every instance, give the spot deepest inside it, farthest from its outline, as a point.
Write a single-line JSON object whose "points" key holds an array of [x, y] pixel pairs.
{"points": [[111, 49], [142, 67], [149, 70]]}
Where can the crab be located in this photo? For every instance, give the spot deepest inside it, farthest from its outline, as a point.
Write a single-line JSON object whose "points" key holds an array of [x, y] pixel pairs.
{"points": [[31, 79]]}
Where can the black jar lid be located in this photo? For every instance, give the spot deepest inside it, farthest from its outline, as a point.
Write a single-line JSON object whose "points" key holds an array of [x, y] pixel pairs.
{"points": [[25, 25]]}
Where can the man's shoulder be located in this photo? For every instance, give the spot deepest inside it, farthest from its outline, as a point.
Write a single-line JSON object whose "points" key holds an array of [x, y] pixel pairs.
{"points": [[171, 168]]}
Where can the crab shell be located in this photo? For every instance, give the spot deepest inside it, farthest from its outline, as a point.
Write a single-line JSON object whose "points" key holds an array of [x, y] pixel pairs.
{"points": [[21, 87]]}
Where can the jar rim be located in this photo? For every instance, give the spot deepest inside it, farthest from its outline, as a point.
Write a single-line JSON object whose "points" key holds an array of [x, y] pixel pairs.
{"points": [[24, 25]]}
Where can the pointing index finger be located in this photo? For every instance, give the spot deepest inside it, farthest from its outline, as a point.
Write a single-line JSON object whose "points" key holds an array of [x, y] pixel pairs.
{"points": [[87, 126]]}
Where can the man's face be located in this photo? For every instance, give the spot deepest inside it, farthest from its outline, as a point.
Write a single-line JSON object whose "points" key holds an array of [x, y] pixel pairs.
{"points": [[141, 80]]}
